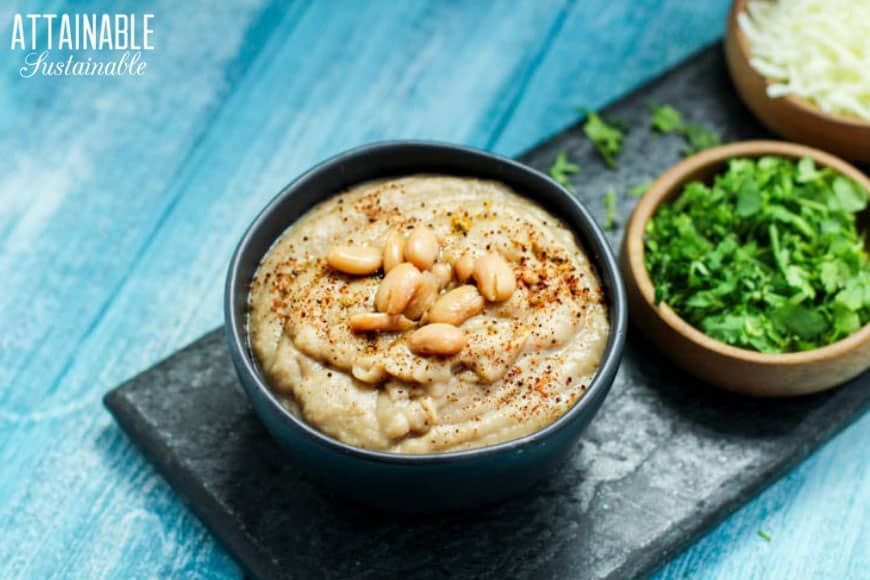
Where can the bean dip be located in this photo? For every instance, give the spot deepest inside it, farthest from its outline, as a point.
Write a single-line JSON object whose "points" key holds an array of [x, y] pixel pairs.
{"points": [[427, 314]]}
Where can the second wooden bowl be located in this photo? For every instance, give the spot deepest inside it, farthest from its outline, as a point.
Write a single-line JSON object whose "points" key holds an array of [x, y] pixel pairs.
{"points": [[791, 117], [745, 371]]}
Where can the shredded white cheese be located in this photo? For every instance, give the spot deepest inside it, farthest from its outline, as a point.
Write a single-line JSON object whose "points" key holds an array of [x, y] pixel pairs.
{"points": [[815, 49]]}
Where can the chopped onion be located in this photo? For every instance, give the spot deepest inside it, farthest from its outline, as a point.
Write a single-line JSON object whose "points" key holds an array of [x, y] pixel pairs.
{"points": [[818, 50]]}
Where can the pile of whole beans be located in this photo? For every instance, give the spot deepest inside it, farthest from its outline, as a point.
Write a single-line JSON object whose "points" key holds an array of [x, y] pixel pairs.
{"points": [[418, 289]]}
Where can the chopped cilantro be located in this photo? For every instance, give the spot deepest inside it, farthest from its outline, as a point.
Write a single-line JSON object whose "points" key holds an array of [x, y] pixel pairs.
{"points": [[606, 136], [639, 190], [612, 216], [767, 258], [562, 169], [666, 119], [764, 535]]}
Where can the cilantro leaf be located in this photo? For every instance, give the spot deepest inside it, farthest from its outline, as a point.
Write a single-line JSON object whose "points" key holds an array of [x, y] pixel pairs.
{"points": [[851, 197], [748, 199], [666, 119], [846, 321], [562, 169], [833, 274], [699, 138], [802, 321], [607, 137], [852, 296], [807, 170]]}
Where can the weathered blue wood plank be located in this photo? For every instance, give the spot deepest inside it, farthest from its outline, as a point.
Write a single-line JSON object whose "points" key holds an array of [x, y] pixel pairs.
{"points": [[120, 201], [603, 51], [816, 517], [171, 209], [86, 165]]}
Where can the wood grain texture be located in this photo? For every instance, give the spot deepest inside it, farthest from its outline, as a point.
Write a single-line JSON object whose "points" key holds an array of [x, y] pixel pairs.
{"points": [[121, 199]]}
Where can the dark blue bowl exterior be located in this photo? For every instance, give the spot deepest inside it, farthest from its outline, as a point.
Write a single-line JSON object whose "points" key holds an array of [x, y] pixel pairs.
{"points": [[419, 482]]}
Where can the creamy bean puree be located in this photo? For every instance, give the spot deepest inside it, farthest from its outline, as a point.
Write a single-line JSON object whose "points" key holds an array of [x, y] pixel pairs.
{"points": [[488, 326]]}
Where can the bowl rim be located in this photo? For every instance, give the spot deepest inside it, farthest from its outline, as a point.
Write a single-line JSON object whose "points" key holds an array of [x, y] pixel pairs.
{"points": [[235, 326], [803, 105], [667, 186]]}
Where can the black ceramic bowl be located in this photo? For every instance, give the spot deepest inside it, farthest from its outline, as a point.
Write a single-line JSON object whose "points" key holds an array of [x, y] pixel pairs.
{"points": [[435, 481]]}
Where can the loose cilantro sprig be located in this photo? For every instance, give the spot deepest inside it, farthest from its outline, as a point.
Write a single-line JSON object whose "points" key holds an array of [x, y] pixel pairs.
{"points": [[768, 257], [607, 137], [562, 170], [666, 119], [699, 138]]}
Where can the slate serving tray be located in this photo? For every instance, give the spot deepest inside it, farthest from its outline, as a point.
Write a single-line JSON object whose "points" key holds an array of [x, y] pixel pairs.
{"points": [[666, 458]]}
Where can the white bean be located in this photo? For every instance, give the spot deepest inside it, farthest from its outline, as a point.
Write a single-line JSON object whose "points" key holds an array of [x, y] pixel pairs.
{"points": [[437, 339], [495, 278], [421, 248], [356, 260], [444, 273], [394, 250], [397, 288], [464, 267], [424, 296], [379, 322], [456, 306]]}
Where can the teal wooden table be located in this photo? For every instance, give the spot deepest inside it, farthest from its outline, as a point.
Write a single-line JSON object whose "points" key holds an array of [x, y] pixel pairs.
{"points": [[122, 198]]}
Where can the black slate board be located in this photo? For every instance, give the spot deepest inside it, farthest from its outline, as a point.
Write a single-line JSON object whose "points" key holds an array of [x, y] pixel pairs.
{"points": [[665, 459]]}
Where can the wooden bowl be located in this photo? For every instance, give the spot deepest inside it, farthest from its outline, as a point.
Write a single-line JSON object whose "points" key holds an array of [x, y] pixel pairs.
{"points": [[791, 117], [736, 369]]}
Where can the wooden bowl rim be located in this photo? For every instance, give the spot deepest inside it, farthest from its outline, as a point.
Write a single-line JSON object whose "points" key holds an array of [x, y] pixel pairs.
{"points": [[668, 185], [802, 105]]}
